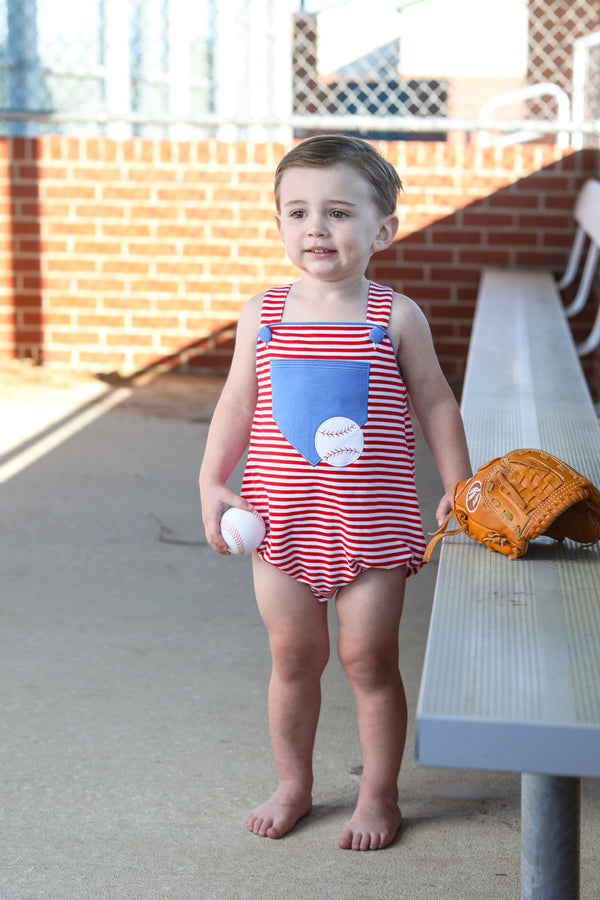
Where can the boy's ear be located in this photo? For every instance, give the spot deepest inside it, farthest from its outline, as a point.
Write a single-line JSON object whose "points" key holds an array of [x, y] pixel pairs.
{"points": [[386, 233]]}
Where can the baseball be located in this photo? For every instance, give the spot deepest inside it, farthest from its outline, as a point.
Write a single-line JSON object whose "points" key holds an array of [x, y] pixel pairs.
{"points": [[242, 531], [339, 441]]}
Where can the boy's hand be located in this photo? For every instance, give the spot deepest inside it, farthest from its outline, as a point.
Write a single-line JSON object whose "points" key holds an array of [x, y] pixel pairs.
{"points": [[444, 508], [214, 503]]}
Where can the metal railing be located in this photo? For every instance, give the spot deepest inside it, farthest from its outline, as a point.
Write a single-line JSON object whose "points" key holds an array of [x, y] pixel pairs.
{"points": [[563, 115]]}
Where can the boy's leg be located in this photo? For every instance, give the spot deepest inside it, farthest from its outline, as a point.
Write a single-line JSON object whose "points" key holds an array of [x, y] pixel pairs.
{"points": [[369, 612], [298, 635]]}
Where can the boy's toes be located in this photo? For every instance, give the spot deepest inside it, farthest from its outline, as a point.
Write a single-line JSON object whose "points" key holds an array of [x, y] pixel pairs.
{"points": [[253, 824], [278, 815], [371, 828], [258, 825], [345, 841], [350, 840]]}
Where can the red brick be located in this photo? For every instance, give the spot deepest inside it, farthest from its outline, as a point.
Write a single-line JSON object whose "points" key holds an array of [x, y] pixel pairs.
{"points": [[457, 236], [512, 238], [101, 285], [99, 211], [543, 221], [155, 322], [486, 256], [73, 336], [476, 218], [129, 339], [97, 320], [97, 359], [96, 248]]}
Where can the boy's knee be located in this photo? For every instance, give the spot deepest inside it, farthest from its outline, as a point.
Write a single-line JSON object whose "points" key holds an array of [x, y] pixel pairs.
{"points": [[368, 670], [297, 664]]}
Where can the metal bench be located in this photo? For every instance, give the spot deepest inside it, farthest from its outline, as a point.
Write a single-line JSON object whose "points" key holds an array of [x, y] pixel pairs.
{"points": [[511, 679]]}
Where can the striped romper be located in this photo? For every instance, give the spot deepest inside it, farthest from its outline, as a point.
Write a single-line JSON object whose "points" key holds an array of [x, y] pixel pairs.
{"points": [[331, 455]]}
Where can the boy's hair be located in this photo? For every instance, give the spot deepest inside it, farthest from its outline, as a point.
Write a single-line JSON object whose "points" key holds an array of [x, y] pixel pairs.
{"points": [[330, 149]]}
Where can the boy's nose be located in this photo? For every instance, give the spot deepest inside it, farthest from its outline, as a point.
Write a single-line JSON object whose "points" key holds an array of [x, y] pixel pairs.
{"points": [[317, 227]]}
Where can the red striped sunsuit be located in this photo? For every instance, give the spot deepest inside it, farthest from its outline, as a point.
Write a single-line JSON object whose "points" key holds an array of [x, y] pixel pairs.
{"points": [[331, 456]]}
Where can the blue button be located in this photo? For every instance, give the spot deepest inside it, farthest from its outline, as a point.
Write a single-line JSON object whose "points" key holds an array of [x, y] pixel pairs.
{"points": [[265, 334], [377, 334]]}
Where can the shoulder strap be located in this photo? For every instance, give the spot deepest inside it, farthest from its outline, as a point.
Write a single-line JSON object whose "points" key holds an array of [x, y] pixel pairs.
{"points": [[273, 304], [379, 304]]}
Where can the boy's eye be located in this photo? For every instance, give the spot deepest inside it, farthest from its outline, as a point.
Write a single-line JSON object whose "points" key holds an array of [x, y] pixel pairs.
{"points": [[297, 214], [338, 214]]}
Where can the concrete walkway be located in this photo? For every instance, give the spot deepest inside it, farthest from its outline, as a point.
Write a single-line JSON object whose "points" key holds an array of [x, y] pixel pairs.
{"points": [[133, 677]]}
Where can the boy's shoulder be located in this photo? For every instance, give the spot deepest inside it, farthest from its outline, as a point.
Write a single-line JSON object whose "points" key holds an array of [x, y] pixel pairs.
{"points": [[249, 320], [256, 301], [406, 319], [404, 306]]}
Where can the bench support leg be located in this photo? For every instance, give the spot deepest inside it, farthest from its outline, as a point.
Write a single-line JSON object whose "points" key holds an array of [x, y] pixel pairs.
{"points": [[550, 811]]}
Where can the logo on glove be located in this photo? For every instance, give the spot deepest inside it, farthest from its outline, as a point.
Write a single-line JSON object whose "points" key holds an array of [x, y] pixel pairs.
{"points": [[473, 496]]}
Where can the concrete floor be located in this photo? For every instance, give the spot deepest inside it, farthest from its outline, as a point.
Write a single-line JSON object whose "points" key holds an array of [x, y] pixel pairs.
{"points": [[133, 676]]}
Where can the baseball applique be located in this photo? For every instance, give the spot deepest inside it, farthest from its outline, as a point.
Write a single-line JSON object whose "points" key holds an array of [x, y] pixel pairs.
{"points": [[339, 441]]}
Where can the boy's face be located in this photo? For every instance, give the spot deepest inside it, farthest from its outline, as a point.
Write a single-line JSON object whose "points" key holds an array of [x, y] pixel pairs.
{"points": [[329, 222]]}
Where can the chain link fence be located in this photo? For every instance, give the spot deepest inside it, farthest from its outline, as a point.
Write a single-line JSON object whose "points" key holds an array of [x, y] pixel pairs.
{"points": [[496, 71], [116, 67]]}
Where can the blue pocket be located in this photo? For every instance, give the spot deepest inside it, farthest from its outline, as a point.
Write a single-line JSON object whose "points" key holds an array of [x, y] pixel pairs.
{"points": [[306, 392]]}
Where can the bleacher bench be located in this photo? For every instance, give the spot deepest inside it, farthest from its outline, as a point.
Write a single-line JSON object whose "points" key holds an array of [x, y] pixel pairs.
{"points": [[511, 679]]}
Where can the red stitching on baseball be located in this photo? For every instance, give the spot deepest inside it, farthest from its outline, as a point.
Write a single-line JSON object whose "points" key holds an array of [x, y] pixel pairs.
{"points": [[341, 433], [233, 532], [343, 450]]}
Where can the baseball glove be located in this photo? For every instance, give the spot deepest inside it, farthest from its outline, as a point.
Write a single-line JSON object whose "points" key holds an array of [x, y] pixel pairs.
{"points": [[520, 496]]}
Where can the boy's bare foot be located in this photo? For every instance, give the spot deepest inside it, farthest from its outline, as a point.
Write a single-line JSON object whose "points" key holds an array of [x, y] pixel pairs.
{"points": [[372, 827], [279, 814]]}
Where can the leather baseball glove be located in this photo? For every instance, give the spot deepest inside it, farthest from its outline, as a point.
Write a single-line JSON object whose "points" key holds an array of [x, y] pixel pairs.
{"points": [[520, 496]]}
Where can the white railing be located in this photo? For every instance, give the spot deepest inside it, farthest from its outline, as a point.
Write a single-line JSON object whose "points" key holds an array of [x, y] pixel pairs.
{"points": [[562, 120]]}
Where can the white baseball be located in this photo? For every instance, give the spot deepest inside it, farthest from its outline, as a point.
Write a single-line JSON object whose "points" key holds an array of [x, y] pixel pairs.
{"points": [[339, 441], [242, 531]]}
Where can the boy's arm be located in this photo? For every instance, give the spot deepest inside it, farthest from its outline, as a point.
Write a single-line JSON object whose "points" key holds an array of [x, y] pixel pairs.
{"points": [[432, 400], [230, 428]]}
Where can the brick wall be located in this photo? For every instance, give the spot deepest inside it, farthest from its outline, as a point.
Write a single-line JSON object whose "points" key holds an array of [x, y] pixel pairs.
{"points": [[115, 256]]}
